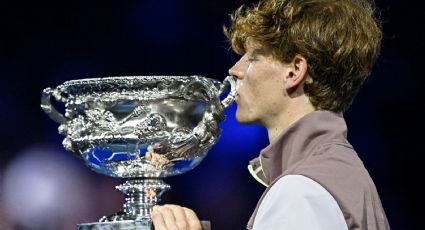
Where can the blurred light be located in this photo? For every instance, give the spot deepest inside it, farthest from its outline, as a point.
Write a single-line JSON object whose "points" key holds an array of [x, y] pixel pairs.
{"points": [[42, 189]]}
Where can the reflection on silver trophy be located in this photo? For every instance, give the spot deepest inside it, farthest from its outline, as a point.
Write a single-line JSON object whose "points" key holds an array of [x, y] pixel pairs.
{"points": [[142, 128]]}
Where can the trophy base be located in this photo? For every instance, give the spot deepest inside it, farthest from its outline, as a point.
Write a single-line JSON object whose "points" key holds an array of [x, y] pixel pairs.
{"points": [[128, 225], [117, 225]]}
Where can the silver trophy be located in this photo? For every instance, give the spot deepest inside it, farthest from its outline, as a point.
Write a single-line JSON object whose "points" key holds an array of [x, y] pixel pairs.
{"points": [[142, 128]]}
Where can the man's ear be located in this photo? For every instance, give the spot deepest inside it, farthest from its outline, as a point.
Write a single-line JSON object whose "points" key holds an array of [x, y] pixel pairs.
{"points": [[297, 73]]}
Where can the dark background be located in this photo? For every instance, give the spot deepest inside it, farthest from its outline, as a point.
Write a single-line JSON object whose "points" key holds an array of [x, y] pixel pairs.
{"points": [[46, 43]]}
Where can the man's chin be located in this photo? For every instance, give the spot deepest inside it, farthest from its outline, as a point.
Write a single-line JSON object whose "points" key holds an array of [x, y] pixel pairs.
{"points": [[243, 120]]}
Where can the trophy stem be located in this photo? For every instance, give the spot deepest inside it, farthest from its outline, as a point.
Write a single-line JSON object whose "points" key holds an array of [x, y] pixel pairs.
{"points": [[140, 196]]}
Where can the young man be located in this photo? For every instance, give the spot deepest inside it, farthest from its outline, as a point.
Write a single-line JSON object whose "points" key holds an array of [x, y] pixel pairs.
{"points": [[302, 63]]}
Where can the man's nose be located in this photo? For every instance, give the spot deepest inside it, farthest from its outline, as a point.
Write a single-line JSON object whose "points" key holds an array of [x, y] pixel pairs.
{"points": [[236, 72]]}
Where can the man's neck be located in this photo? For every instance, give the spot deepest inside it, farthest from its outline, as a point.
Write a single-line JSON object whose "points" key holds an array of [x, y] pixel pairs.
{"points": [[285, 120]]}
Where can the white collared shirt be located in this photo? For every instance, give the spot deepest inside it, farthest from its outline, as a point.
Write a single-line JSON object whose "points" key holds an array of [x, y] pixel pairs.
{"points": [[296, 202]]}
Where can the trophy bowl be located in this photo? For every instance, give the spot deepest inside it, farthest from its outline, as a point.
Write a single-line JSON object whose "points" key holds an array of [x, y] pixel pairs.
{"points": [[142, 128]]}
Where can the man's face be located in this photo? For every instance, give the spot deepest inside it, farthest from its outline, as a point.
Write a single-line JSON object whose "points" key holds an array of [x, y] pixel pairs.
{"points": [[260, 83]]}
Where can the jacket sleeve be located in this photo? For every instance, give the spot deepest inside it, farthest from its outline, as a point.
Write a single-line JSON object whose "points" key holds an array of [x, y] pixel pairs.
{"points": [[297, 202]]}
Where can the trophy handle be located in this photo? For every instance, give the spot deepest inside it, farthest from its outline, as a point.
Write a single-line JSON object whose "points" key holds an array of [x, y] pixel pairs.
{"points": [[48, 108], [226, 102]]}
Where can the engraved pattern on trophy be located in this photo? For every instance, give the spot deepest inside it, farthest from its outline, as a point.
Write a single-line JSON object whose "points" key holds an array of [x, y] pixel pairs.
{"points": [[142, 128]]}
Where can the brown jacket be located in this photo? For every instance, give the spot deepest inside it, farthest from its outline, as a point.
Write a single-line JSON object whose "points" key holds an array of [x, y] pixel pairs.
{"points": [[316, 146]]}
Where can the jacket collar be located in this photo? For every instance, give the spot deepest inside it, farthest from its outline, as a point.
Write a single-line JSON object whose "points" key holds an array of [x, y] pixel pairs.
{"points": [[297, 142]]}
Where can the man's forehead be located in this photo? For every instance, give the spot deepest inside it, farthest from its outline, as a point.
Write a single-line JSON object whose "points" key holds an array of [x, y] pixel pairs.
{"points": [[251, 45], [254, 47]]}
